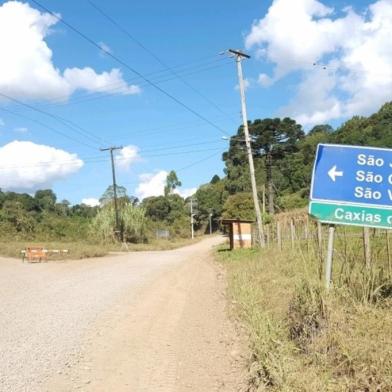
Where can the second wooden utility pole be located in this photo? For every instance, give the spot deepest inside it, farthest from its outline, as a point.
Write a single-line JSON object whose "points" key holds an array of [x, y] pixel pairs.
{"points": [[239, 57], [192, 229], [111, 149]]}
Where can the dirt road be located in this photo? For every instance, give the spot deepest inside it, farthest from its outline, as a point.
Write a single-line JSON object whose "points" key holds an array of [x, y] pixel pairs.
{"points": [[148, 321]]}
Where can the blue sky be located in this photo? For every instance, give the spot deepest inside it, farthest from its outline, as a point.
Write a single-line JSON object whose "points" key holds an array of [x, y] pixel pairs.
{"points": [[187, 36]]}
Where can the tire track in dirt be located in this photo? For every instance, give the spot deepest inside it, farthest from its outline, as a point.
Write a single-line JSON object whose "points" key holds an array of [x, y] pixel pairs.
{"points": [[173, 336]]}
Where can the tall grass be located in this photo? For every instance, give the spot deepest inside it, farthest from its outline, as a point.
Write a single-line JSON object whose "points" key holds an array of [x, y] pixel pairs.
{"points": [[132, 220], [304, 338]]}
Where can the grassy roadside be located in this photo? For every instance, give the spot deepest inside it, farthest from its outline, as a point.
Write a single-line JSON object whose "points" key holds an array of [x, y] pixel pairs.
{"points": [[302, 338], [81, 250]]}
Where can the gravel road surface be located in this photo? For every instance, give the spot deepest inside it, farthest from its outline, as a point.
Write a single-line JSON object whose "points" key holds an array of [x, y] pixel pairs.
{"points": [[146, 321]]}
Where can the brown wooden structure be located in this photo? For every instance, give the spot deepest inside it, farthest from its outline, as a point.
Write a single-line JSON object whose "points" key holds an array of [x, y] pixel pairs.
{"points": [[240, 233]]}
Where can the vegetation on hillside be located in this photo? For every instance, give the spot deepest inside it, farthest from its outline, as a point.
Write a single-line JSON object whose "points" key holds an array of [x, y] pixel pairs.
{"points": [[283, 155]]}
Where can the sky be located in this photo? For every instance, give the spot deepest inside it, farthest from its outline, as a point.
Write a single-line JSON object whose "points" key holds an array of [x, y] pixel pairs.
{"points": [[154, 79]]}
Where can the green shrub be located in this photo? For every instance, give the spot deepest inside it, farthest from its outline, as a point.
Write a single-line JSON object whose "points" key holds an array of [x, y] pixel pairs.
{"points": [[132, 221]]}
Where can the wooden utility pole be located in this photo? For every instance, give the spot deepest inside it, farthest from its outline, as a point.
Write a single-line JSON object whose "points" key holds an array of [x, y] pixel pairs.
{"points": [[192, 229], [111, 149], [239, 57]]}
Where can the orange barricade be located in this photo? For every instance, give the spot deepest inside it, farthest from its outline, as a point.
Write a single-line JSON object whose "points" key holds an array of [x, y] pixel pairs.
{"points": [[36, 253]]}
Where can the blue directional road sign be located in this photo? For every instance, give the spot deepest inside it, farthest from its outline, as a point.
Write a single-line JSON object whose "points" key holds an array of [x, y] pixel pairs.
{"points": [[352, 175]]}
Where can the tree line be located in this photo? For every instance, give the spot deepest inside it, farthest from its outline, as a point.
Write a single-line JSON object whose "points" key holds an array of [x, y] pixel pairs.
{"points": [[283, 154]]}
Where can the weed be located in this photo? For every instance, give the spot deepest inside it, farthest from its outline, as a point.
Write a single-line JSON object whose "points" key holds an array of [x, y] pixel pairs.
{"points": [[307, 314], [303, 338]]}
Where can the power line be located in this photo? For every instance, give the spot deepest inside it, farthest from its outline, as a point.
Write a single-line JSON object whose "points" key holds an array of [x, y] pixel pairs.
{"points": [[157, 58], [168, 154], [65, 122], [184, 168], [149, 131], [197, 162], [166, 128], [99, 159], [48, 127], [177, 170], [114, 92], [124, 64], [118, 86], [182, 146]]}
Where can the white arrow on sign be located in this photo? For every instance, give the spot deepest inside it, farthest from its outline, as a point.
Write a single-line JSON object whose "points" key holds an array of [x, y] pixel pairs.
{"points": [[333, 173]]}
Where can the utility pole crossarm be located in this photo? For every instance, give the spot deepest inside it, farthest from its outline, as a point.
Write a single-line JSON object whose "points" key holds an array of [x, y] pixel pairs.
{"points": [[111, 148], [238, 53]]}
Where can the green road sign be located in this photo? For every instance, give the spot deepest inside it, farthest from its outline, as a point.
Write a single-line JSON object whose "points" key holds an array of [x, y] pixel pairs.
{"points": [[353, 215]]}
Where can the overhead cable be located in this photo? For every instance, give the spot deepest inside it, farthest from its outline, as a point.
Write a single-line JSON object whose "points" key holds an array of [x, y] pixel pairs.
{"points": [[75, 128], [130, 68], [156, 57]]}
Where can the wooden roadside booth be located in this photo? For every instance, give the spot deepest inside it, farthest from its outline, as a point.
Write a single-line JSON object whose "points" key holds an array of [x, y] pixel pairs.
{"points": [[240, 233]]}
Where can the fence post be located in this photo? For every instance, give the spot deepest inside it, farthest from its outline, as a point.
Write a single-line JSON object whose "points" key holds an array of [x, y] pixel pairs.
{"points": [[292, 231], [268, 235], [279, 235], [366, 247], [329, 259], [307, 233], [320, 238]]}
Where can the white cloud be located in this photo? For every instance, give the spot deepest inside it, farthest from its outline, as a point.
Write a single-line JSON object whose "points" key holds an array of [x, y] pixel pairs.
{"points": [[88, 79], [21, 130], [186, 192], [315, 94], [28, 166], [355, 48], [151, 184], [127, 156], [91, 202], [297, 30], [264, 80], [26, 67]]}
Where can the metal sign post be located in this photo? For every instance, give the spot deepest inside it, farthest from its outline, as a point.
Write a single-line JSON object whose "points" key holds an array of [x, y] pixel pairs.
{"points": [[329, 259]]}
